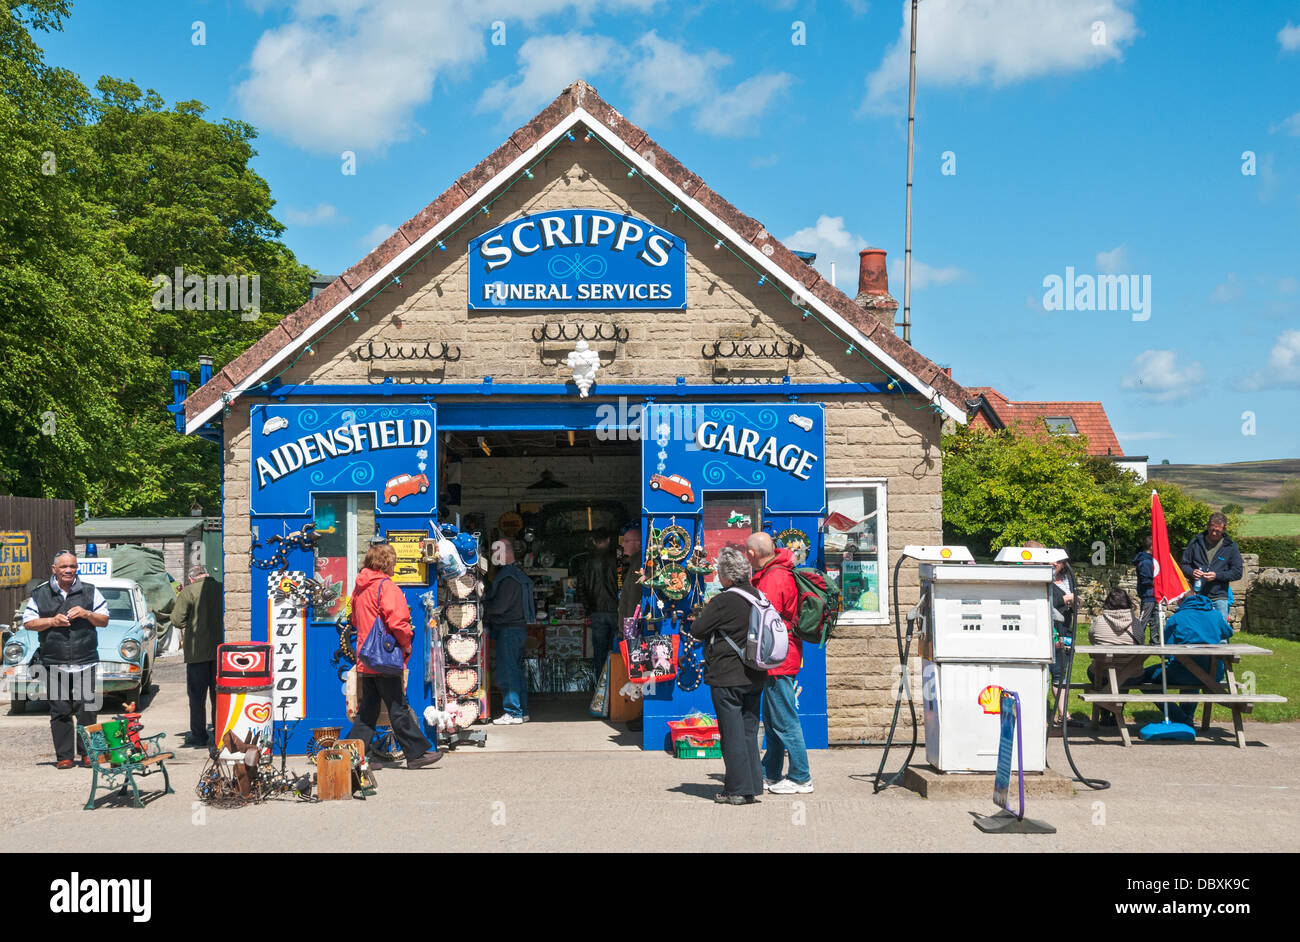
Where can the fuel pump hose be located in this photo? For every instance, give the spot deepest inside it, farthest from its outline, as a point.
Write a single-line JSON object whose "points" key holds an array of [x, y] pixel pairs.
{"points": [[883, 781], [1063, 690]]}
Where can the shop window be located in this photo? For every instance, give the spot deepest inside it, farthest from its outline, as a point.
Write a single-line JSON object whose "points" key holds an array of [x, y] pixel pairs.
{"points": [[345, 522], [855, 547], [728, 519]]}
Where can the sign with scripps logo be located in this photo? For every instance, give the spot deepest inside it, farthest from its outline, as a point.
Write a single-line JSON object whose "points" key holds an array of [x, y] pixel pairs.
{"points": [[578, 259]]}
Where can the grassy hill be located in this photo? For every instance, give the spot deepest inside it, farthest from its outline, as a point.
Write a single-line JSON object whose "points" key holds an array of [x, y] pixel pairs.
{"points": [[1249, 483]]}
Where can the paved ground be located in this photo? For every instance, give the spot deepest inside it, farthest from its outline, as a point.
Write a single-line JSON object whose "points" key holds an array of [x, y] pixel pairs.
{"points": [[592, 791]]}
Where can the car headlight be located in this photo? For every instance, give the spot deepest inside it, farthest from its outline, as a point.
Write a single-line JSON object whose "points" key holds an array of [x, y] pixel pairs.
{"points": [[14, 653], [130, 649]]}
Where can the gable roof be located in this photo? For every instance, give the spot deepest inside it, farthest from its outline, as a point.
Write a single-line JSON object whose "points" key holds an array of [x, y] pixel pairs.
{"points": [[577, 104], [996, 411]]}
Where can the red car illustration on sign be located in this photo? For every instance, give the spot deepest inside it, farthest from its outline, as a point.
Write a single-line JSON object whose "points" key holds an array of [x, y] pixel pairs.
{"points": [[674, 484], [404, 485]]}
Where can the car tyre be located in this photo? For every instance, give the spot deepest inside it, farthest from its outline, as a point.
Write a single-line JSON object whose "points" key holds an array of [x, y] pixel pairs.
{"points": [[687, 499], [424, 489], [654, 485], [393, 501]]}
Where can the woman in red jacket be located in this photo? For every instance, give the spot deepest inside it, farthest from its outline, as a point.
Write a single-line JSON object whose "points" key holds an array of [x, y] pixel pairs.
{"points": [[376, 594]]}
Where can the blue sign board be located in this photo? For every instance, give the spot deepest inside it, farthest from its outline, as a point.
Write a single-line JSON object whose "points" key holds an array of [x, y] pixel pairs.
{"points": [[578, 259], [298, 451], [776, 449]]}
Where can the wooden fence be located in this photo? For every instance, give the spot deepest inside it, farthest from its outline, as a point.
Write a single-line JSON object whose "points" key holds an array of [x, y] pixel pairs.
{"points": [[51, 524]]}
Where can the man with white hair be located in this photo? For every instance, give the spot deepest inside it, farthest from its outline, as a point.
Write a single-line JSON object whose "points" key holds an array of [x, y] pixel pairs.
{"points": [[197, 615], [774, 576]]}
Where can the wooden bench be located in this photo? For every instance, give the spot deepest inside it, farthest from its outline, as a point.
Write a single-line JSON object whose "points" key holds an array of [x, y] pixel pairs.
{"points": [[1107, 690], [122, 774]]}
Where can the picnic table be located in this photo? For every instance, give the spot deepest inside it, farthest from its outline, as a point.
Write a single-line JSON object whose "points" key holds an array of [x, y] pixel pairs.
{"points": [[1107, 689]]}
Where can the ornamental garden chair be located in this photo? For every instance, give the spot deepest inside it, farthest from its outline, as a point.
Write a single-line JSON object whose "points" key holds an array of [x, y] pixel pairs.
{"points": [[117, 762]]}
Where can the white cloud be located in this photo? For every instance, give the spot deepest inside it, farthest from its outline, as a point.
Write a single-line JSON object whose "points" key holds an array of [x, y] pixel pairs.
{"points": [[1288, 285], [349, 74], [322, 214], [1112, 262], [1289, 126], [376, 236], [923, 276], [1227, 293], [664, 77], [735, 113], [547, 64], [998, 42], [833, 243], [1289, 37], [1284, 361], [1156, 373]]}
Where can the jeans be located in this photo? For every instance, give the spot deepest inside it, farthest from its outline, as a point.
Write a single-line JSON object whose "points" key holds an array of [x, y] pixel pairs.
{"points": [[373, 688], [1148, 625], [737, 710], [201, 685], [1222, 606], [70, 691], [603, 627], [510, 669], [784, 732]]}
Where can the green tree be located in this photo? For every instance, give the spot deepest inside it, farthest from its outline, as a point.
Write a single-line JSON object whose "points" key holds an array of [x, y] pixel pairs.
{"points": [[1001, 488], [98, 195], [1286, 502]]}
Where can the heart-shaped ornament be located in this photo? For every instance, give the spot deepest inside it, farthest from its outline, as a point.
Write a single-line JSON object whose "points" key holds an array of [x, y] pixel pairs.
{"points": [[462, 648], [462, 681]]}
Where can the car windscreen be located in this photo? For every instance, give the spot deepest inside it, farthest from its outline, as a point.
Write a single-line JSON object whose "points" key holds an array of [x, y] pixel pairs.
{"points": [[119, 604]]}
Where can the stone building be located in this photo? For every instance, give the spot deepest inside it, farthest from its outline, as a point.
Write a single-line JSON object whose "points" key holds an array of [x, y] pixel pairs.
{"points": [[414, 325]]}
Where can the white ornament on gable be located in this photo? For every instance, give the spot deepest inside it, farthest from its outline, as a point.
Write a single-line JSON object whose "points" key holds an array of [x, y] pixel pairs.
{"points": [[584, 362]]}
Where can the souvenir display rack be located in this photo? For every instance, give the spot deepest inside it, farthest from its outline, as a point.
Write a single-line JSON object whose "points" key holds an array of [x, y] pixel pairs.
{"points": [[458, 664]]}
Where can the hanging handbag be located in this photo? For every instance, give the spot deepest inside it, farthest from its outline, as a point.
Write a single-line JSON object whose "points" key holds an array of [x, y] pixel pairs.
{"points": [[380, 652]]}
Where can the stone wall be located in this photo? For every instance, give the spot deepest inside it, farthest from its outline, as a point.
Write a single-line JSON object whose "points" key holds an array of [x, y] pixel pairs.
{"points": [[1273, 604]]}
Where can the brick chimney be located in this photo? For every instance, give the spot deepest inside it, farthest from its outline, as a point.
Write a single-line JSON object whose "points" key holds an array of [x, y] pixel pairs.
{"points": [[873, 287]]}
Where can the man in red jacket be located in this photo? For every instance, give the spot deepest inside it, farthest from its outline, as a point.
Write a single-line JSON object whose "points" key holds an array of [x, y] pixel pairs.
{"points": [[774, 577]]}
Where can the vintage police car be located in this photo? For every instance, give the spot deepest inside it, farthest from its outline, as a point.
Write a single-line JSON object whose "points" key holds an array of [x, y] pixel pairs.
{"points": [[128, 645]]}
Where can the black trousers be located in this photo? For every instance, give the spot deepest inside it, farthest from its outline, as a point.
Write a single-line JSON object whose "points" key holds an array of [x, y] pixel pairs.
{"points": [[374, 688], [737, 709], [201, 685], [71, 694], [1148, 625]]}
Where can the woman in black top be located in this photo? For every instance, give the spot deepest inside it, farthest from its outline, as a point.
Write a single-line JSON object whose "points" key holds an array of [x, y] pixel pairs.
{"points": [[737, 689]]}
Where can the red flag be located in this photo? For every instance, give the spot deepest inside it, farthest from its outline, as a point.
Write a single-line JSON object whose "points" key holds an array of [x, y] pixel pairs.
{"points": [[1170, 583]]}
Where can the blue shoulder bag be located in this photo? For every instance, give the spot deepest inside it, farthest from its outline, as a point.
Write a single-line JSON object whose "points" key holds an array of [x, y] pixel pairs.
{"points": [[380, 651]]}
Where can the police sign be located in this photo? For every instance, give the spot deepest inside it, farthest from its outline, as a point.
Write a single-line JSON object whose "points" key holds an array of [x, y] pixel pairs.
{"points": [[578, 259]]}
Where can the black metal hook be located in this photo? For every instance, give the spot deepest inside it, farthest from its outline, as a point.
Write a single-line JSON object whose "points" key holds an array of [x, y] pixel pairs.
{"points": [[605, 332], [368, 352], [776, 350]]}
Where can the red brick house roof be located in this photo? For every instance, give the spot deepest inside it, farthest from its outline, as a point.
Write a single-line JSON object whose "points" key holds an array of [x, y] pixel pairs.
{"points": [[577, 104], [1089, 418]]}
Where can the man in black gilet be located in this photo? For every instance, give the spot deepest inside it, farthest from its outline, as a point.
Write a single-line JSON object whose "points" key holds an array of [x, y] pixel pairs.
{"points": [[67, 613]]}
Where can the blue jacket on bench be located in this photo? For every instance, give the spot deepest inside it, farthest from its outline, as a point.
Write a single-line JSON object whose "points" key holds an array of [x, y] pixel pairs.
{"points": [[1197, 621]]}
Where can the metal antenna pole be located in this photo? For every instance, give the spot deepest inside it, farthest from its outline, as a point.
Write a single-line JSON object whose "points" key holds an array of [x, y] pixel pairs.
{"points": [[907, 248]]}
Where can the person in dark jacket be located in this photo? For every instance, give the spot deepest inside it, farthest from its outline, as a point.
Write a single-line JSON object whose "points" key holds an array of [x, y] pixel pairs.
{"points": [[375, 595], [197, 615], [67, 614], [1145, 565], [1211, 561], [737, 690], [598, 591], [508, 609]]}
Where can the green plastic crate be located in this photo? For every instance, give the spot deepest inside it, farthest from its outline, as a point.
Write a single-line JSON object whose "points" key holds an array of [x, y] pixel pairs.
{"points": [[690, 750]]}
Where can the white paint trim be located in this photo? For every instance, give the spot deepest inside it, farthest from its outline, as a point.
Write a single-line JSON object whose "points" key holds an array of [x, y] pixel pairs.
{"points": [[471, 203]]}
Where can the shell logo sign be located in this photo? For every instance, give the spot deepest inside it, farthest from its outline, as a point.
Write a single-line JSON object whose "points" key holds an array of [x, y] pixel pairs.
{"points": [[1026, 555], [990, 699], [945, 553]]}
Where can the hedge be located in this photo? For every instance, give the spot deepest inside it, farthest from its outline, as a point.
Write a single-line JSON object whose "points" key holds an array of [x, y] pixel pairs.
{"points": [[1282, 551]]}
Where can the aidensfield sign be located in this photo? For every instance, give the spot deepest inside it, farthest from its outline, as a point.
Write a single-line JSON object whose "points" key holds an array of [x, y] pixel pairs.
{"points": [[578, 259]]}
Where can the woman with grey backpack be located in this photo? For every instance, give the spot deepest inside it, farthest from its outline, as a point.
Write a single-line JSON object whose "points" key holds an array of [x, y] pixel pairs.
{"points": [[736, 688]]}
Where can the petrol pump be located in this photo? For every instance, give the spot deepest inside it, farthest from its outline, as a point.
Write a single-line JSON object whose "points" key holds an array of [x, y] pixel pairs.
{"points": [[981, 628]]}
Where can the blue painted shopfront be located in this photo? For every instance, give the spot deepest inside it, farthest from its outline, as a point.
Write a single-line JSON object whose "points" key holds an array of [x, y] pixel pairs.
{"points": [[720, 466]]}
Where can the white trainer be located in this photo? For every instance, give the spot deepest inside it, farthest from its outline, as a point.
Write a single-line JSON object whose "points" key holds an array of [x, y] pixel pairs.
{"points": [[505, 719], [787, 787], [768, 783]]}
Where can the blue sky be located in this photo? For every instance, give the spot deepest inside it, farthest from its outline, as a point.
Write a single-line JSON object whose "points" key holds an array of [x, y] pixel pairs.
{"points": [[1104, 136]]}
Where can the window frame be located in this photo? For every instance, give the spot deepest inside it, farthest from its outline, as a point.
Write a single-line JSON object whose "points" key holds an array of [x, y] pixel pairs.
{"points": [[881, 485]]}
